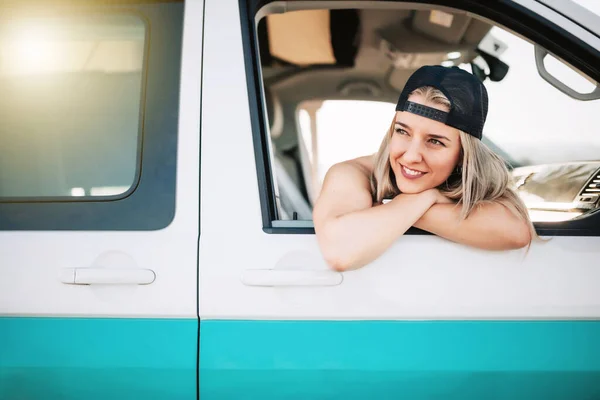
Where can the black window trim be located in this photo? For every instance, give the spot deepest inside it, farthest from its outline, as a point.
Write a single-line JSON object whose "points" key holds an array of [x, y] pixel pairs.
{"points": [[532, 26], [149, 204]]}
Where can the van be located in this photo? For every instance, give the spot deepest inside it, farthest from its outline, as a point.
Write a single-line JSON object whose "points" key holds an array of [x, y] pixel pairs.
{"points": [[159, 161]]}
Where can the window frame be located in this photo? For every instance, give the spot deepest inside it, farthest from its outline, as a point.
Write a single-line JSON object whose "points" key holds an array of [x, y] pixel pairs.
{"points": [[149, 204], [529, 24]]}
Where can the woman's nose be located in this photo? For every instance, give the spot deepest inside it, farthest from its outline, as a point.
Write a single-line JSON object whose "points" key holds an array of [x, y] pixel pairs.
{"points": [[413, 152]]}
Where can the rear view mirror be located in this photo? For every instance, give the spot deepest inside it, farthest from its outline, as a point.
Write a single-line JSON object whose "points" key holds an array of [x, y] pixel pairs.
{"points": [[478, 71], [496, 69], [569, 81]]}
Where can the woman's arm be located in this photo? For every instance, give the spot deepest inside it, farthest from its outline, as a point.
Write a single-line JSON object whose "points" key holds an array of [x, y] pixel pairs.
{"points": [[491, 226], [350, 231]]}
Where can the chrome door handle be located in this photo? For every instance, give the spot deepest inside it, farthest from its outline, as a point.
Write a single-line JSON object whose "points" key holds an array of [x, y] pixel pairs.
{"points": [[107, 276], [283, 277]]}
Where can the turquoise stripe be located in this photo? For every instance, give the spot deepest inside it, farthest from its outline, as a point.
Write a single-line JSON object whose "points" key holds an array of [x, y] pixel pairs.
{"points": [[397, 360], [154, 359], [83, 358]]}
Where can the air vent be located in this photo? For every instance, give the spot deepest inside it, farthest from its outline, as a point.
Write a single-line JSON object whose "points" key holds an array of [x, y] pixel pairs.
{"points": [[591, 191]]}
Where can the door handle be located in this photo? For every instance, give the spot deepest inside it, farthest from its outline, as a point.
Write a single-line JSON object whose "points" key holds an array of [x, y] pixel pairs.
{"points": [[107, 276], [282, 277]]}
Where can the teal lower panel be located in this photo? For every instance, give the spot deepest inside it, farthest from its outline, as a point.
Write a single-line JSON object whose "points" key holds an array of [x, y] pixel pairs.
{"points": [[81, 358], [400, 360]]}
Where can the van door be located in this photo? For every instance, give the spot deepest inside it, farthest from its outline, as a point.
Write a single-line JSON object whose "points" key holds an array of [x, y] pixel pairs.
{"points": [[99, 140], [429, 318]]}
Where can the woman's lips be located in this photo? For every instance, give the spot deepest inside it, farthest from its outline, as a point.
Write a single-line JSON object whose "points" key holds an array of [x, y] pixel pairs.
{"points": [[411, 173]]}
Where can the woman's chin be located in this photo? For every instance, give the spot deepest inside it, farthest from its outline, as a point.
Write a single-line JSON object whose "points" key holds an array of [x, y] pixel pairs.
{"points": [[410, 187]]}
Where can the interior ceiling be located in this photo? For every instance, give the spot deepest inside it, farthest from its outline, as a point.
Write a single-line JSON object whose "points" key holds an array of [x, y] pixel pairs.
{"points": [[391, 44]]}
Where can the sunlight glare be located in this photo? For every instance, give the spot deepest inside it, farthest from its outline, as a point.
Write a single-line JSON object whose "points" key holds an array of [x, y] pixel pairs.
{"points": [[31, 50]]}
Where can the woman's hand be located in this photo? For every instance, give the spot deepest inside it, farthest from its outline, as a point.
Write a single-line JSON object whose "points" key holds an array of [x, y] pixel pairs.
{"points": [[437, 197], [441, 199]]}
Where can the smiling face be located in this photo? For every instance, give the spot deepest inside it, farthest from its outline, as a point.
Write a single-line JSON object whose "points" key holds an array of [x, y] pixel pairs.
{"points": [[423, 152]]}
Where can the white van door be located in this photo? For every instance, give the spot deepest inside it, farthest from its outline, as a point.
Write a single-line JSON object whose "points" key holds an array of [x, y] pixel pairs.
{"points": [[99, 155], [429, 318]]}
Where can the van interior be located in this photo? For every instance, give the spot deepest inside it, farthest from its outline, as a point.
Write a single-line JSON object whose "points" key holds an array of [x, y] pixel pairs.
{"points": [[311, 56]]}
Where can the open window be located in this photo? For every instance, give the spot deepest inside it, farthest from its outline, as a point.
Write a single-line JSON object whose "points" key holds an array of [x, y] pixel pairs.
{"points": [[330, 97]]}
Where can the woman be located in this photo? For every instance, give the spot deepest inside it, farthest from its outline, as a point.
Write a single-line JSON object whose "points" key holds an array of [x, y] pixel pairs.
{"points": [[435, 171]]}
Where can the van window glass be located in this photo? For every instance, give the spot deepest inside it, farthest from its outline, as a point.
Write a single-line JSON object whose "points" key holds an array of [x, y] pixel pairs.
{"points": [[338, 100], [70, 105]]}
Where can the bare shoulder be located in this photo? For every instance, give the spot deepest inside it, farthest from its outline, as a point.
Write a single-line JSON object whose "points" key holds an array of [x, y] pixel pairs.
{"points": [[346, 188], [349, 174], [365, 163]]}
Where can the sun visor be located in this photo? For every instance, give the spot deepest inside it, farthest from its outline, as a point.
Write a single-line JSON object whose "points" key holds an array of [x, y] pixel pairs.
{"points": [[314, 37], [476, 31], [440, 25], [301, 37], [408, 50]]}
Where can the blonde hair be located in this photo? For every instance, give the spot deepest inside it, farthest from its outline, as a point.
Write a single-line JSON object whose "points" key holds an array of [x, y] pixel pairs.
{"points": [[484, 177]]}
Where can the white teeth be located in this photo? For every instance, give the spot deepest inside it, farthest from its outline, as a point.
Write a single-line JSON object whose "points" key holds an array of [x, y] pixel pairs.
{"points": [[411, 172]]}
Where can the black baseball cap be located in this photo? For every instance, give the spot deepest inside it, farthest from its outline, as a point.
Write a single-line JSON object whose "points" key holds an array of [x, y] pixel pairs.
{"points": [[467, 94]]}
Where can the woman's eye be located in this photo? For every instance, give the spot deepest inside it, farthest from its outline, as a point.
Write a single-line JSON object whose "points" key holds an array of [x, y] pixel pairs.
{"points": [[437, 142], [401, 131]]}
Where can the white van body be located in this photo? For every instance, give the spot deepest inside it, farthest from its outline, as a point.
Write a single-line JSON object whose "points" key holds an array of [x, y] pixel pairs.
{"points": [[208, 300]]}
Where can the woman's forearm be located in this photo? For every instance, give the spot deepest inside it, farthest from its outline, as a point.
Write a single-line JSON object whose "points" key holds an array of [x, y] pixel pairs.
{"points": [[352, 240], [491, 226]]}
